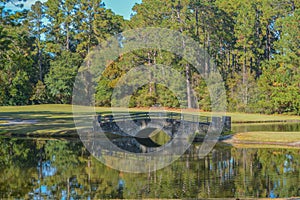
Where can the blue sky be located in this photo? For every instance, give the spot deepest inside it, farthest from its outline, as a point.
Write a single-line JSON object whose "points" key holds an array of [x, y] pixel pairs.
{"points": [[120, 7]]}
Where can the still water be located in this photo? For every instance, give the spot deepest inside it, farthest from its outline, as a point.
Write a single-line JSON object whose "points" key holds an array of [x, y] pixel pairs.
{"points": [[274, 127], [64, 169]]}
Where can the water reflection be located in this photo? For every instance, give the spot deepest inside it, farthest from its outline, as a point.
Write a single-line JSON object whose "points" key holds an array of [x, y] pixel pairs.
{"points": [[276, 127], [60, 169]]}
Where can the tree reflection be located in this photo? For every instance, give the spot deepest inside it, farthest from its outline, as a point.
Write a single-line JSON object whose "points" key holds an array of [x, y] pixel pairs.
{"points": [[60, 169]]}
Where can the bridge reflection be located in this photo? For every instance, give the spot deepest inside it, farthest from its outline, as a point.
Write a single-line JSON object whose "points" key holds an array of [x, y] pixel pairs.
{"points": [[135, 147]]}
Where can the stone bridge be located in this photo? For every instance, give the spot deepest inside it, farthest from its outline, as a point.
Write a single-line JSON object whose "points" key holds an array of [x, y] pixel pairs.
{"points": [[142, 125]]}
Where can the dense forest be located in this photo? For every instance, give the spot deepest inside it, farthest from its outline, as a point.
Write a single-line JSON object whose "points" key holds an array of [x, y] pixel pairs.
{"points": [[255, 45]]}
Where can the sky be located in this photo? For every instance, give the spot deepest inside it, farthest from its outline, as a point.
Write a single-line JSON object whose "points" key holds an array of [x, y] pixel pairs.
{"points": [[120, 7]]}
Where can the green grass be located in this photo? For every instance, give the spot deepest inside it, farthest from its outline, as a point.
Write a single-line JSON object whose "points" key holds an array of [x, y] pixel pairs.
{"points": [[250, 118], [57, 120], [256, 118], [53, 120], [160, 138], [263, 146], [239, 117], [284, 137], [265, 140]]}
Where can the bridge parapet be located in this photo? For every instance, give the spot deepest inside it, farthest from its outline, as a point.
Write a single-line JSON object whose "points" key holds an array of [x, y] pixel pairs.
{"points": [[134, 123]]}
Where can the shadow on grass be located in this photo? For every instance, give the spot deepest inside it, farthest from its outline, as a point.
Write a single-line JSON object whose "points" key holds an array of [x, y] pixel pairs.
{"points": [[35, 115], [48, 124]]}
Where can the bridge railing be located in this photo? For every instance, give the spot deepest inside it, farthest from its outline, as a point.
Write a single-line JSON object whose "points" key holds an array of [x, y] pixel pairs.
{"points": [[108, 117], [202, 120]]}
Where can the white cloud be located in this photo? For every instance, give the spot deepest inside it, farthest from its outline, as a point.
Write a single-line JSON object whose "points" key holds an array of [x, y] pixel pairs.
{"points": [[27, 5]]}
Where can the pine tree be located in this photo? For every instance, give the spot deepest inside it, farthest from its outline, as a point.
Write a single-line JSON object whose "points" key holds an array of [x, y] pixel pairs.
{"points": [[37, 30]]}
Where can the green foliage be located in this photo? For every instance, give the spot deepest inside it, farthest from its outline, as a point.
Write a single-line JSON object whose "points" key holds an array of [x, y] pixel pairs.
{"points": [[66, 169], [37, 28], [201, 92], [103, 93], [95, 24], [15, 62], [279, 83], [39, 95], [254, 44], [61, 77]]}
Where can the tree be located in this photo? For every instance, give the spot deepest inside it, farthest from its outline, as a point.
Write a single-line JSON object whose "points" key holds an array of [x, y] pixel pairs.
{"points": [[279, 83], [37, 30], [94, 25], [15, 66], [62, 27], [62, 75]]}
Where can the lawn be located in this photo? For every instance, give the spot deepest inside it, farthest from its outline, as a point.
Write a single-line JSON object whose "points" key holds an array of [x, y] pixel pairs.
{"points": [[52, 120], [284, 137], [251, 118], [57, 120], [265, 140]]}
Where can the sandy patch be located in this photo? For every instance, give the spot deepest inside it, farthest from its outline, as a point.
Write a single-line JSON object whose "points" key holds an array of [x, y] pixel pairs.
{"points": [[11, 122]]}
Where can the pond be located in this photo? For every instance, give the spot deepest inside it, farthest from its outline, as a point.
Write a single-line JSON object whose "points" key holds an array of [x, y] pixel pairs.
{"points": [[64, 169], [276, 127]]}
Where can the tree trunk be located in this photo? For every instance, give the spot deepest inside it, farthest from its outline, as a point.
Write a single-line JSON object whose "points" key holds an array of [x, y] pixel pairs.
{"points": [[245, 84], [68, 188], [39, 55], [187, 68], [188, 85], [68, 36], [152, 84], [268, 42]]}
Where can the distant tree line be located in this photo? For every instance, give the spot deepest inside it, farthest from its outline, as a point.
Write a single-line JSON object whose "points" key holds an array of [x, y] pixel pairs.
{"points": [[255, 46]]}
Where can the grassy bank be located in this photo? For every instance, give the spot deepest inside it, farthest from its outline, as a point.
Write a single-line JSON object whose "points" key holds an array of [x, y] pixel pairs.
{"points": [[52, 120], [265, 139], [57, 120]]}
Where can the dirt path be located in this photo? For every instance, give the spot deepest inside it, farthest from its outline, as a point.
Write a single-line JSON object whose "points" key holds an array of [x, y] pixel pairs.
{"points": [[11, 122]]}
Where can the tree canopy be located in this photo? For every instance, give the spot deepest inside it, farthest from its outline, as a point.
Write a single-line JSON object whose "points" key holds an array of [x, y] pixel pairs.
{"points": [[254, 44]]}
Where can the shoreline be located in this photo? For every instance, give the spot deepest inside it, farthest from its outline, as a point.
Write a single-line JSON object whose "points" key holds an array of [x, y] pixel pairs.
{"points": [[56, 120], [228, 139], [254, 139]]}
